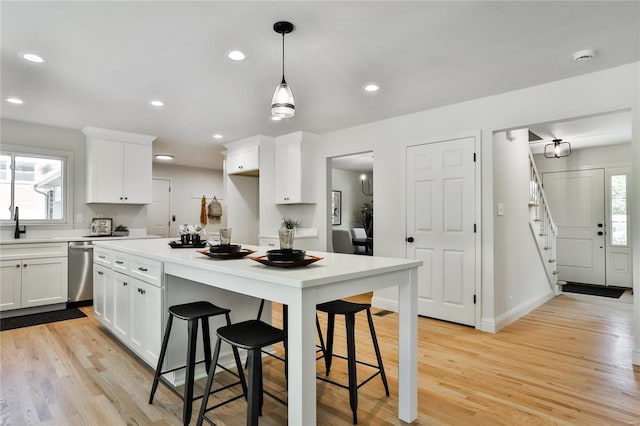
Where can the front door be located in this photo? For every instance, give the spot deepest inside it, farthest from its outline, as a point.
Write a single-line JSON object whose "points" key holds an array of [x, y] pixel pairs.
{"points": [[576, 201], [440, 221], [159, 210]]}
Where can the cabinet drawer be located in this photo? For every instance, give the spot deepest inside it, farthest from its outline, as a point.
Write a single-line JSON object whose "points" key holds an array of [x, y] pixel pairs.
{"points": [[146, 270], [120, 262], [32, 250], [103, 257]]}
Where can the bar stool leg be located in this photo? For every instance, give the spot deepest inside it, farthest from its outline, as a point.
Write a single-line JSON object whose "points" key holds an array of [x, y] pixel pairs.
{"points": [[207, 388], [285, 324], [377, 349], [253, 410], [191, 361], [163, 351], [206, 342], [351, 365], [331, 319], [236, 356], [323, 348]]}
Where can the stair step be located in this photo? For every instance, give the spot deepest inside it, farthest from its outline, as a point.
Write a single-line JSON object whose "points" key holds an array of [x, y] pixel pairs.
{"points": [[533, 204], [555, 272], [551, 261], [547, 248], [542, 234], [536, 219], [560, 282]]}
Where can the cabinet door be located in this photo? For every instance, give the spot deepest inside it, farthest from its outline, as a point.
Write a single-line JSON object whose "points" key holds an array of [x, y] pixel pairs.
{"points": [[288, 171], [121, 308], [44, 281], [243, 161], [10, 284], [137, 177], [145, 320], [109, 298], [98, 290], [105, 172]]}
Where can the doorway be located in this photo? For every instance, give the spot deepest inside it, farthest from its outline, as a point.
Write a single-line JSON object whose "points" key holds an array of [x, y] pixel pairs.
{"points": [[351, 215], [159, 211]]}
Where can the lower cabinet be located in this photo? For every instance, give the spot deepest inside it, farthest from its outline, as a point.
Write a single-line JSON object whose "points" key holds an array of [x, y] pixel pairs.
{"points": [[130, 308], [26, 283]]}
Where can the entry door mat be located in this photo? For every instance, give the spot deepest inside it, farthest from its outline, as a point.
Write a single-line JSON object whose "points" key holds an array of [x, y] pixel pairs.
{"points": [[593, 290], [41, 318]]}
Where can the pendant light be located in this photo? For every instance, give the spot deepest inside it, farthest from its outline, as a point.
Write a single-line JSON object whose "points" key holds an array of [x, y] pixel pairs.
{"points": [[557, 149], [282, 103]]}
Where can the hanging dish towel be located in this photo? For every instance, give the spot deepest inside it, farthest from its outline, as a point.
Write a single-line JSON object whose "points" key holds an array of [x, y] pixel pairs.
{"points": [[215, 209], [203, 211]]}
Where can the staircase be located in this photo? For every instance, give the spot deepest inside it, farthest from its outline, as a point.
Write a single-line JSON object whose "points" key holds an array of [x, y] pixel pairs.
{"points": [[543, 228]]}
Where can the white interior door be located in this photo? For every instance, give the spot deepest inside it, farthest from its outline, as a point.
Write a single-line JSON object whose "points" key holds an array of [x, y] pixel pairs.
{"points": [[159, 211], [576, 200], [440, 219]]}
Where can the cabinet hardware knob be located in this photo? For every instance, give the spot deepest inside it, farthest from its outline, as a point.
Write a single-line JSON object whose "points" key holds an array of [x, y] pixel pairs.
{"points": [[140, 268], [119, 262], [25, 265], [410, 239], [126, 198], [18, 265], [121, 198], [600, 233], [100, 273], [600, 225], [124, 284], [102, 257]]}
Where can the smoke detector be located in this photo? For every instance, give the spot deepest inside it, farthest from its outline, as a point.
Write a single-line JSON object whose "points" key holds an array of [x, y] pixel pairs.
{"points": [[584, 55]]}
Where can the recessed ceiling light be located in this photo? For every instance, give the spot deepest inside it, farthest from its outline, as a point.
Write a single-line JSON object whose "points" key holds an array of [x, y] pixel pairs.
{"points": [[156, 103], [236, 55], [584, 55], [16, 101], [164, 157], [276, 118], [32, 57], [217, 136], [371, 87]]}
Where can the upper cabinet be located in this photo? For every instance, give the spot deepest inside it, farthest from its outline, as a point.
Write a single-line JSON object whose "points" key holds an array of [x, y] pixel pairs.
{"points": [[244, 160], [118, 166], [294, 170]]}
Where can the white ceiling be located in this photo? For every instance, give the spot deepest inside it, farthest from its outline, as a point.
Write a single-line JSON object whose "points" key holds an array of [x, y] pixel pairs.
{"points": [[106, 60], [354, 163]]}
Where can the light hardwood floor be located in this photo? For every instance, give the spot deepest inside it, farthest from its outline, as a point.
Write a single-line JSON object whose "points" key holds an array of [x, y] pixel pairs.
{"points": [[567, 362]]}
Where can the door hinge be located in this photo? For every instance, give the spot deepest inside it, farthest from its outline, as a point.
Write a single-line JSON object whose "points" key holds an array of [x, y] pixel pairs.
{"points": [[474, 228], [474, 157], [474, 299]]}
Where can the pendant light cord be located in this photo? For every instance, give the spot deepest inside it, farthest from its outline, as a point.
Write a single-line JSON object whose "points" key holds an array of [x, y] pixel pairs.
{"points": [[283, 57]]}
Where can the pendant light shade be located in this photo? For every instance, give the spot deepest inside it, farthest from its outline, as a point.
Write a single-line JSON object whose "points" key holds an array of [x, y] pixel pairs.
{"points": [[557, 149], [282, 103]]}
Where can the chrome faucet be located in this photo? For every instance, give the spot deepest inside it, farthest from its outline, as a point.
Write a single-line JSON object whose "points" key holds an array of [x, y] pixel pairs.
{"points": [[16, 216]]}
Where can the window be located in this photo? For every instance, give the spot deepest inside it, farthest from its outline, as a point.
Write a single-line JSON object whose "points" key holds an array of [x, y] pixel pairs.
{"points": [[35, 184], [619, 209]]}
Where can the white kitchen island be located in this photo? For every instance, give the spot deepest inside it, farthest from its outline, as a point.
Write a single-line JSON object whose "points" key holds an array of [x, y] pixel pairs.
{"points": [[336, 276]]}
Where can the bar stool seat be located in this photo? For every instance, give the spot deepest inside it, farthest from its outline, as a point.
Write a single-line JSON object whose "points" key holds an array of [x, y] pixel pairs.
{"points": [[251, 335], [349, 310], [192, 312]]}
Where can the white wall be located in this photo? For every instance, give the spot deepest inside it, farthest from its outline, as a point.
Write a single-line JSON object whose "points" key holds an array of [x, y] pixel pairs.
{"points": [[519, 270], [605, 91], [185, 183], [57, 138], [352, 197]]}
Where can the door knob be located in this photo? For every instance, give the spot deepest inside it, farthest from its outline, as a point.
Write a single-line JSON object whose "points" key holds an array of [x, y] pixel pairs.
{"points": [[410, 239]]}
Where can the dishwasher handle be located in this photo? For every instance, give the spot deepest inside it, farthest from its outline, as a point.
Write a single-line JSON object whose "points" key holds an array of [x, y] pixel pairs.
{"points": [[82, 247]]}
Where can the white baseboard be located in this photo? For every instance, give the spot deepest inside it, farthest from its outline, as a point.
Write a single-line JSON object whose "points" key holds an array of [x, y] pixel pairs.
{"points": [[384, 303], [491, 325]]}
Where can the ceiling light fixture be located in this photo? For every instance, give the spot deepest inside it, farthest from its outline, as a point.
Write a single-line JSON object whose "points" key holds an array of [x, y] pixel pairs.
{"points": [[282, 102], [557, 149], [15, 101], [371, 87], [584, 55], [274, 118], [156, 103], [236, 55], [32, 57], [217, 136], [164, 157]]}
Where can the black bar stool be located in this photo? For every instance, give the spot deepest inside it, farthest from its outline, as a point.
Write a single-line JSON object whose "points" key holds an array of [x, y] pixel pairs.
{"points": [[192, 312], [349, 310], [251, 335]]}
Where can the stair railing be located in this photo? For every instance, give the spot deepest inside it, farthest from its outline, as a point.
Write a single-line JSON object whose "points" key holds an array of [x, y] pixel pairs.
{"points": [[548, 230]]}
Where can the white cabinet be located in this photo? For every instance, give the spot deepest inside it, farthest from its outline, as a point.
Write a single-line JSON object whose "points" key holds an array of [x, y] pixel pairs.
{"points": [[32, 275], [128, 300], [118, 167], [145, 320], [294, 170], [44, 281], [245, 161], [10, 284]]}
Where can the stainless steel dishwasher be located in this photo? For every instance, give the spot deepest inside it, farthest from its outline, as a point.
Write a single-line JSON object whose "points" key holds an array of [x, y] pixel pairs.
{"points": [[80, 272]]}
